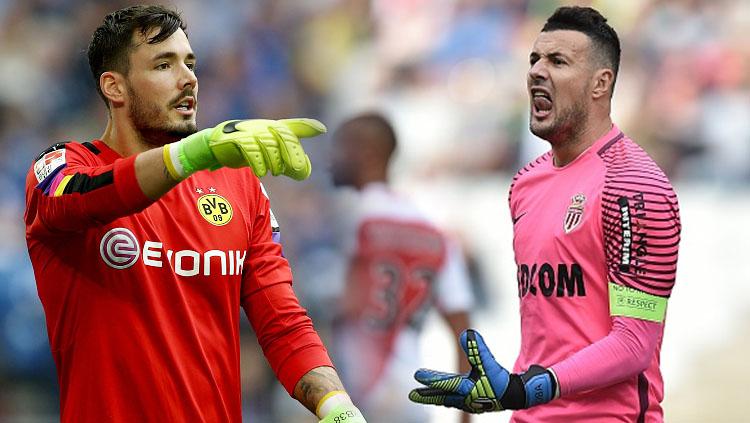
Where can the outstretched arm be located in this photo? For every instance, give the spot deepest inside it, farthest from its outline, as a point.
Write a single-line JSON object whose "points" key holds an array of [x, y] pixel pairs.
{"points": [[625, 352], [67, 191], [152, 174]]}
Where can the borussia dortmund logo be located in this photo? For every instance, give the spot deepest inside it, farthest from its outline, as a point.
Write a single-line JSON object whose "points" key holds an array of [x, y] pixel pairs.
{"points": [[215, 209]]}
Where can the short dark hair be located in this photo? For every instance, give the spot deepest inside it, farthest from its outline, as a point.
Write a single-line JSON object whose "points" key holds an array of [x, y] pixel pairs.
{"points": [[590, 22], [112, 42], [384, 131]]}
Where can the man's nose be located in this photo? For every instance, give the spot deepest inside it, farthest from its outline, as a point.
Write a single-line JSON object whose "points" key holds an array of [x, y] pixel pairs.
{"points": [[537, 72], [188, 78]]}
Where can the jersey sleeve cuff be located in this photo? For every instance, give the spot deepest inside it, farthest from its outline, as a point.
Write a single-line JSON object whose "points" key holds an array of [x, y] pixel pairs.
{"points": [[300, 362], [126, 183]]}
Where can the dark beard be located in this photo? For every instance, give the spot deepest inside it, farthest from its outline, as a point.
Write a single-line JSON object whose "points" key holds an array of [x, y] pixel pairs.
{"points": [[568, 127], [151, 125]]}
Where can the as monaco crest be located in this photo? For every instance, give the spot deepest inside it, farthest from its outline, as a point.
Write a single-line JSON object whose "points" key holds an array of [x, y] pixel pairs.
{"points": [[574, 215]]}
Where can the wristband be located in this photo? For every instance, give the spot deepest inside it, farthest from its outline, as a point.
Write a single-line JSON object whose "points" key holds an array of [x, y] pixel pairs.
{"points": [[171, 154], [189, 155], [330, 401]]}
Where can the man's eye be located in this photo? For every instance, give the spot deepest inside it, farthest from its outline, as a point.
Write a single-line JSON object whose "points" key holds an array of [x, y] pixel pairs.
{"points": [[190, 66], [558, 61], [162, 66]]}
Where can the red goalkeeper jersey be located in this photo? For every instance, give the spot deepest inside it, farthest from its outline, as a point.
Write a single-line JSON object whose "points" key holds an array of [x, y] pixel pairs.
{"points": [[142, 299]]}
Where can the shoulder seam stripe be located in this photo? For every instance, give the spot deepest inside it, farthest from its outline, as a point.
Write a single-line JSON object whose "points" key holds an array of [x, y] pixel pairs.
{"points": [[609, 143], [91, 147]]}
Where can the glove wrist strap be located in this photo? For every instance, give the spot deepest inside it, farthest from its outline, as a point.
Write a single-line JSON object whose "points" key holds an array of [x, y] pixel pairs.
{"points": [[535, 386], [171, 156], [556, 394], [514, 397], [189, 155], [330, 401]]}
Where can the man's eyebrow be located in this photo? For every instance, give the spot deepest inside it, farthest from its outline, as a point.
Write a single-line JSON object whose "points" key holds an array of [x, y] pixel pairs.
{"points": [[550, 55], [171, 55], [558, 54]]}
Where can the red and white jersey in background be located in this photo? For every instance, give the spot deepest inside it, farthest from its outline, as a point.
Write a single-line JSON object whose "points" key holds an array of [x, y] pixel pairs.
{"points": [[400, 266]]}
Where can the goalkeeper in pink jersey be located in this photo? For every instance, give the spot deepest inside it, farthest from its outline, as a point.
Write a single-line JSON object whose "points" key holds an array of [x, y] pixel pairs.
{"points": [[596, 233]]}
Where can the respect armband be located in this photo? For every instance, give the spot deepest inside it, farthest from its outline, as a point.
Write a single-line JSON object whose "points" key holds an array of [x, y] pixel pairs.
{"points": [[628, 302]]}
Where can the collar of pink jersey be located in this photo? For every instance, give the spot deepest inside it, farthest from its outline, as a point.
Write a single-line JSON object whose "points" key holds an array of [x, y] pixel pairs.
{"points": [[611, 136]]}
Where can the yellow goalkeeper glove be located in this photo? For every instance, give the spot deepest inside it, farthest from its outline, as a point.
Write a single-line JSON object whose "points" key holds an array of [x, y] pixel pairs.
{"points": [[261, 144], [344, 414], [337, 407]]}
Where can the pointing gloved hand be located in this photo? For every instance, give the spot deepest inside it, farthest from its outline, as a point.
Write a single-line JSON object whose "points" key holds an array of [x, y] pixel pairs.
{"points": [[261, 144]]}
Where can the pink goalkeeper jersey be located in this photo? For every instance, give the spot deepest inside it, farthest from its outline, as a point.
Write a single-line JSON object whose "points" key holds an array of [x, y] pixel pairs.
{"points": [[604, 226]]}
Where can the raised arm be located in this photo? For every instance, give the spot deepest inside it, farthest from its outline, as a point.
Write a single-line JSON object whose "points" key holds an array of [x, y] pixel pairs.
{"points": [[68, 190]]}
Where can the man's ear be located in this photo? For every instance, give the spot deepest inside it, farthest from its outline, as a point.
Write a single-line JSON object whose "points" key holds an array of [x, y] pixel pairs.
{"points": [[113, 88], [602, 83]]}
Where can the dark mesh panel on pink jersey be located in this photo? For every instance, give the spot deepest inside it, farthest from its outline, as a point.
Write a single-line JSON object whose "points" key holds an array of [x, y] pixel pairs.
{"points": [[640, 220]]}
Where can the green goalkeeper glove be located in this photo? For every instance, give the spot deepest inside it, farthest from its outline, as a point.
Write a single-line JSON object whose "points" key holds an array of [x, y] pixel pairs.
{"points": [[344, 413], [260, 144]]}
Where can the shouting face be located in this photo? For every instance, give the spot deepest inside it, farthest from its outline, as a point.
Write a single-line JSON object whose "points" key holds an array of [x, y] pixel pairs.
{"points": [[558, 83]]}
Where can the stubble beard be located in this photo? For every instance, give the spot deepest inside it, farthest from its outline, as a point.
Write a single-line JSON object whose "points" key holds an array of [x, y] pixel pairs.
{"points": [[153, 125], [566, 129]]}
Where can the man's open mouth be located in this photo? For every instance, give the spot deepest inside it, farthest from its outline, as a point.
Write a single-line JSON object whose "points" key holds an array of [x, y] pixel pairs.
{"points": [[541, 101], [186, 105]]}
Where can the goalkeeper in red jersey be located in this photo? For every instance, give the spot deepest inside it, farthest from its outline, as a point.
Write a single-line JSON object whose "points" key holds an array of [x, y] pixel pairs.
{"points": [[145, 244]]}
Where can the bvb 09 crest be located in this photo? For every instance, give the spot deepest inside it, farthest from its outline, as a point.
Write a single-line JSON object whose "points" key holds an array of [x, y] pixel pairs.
{"points": [[215, 209], [574, 215]]}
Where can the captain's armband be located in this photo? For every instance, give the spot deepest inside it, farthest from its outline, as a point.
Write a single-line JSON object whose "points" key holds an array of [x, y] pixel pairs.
{"points": [[628, 302]]}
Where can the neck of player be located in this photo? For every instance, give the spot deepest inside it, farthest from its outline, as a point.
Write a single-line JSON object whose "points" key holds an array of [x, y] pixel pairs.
{"points": [[373, 174], [122, 137], [568, 150]]}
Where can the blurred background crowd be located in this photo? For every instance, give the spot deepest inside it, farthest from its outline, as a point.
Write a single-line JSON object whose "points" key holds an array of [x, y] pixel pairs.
{"points": [[450, 74]]}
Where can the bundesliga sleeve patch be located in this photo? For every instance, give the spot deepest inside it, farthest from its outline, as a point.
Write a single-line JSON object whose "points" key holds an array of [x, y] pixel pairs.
{"points": [[628, 302], [48, 164]]}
